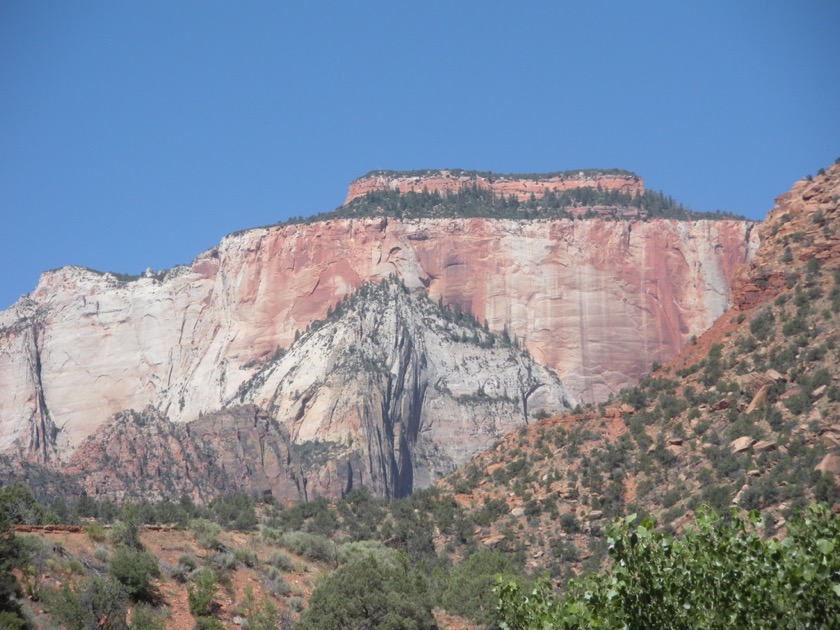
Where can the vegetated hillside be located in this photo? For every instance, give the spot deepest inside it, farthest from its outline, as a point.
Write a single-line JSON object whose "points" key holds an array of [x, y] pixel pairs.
{"points": [[402, 558], [748, 415]]}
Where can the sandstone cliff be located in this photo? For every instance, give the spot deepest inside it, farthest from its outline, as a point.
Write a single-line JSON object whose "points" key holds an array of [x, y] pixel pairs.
{"points": [[598, 301], [521, 187], [392, 392]]}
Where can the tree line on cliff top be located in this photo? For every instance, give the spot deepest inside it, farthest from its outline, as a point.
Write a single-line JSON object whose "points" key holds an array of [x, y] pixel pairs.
{"points": [[584, 203]]}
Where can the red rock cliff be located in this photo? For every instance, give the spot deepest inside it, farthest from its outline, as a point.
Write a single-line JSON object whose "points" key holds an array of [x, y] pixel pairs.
{"points": [[596, 300], [521, 187]]}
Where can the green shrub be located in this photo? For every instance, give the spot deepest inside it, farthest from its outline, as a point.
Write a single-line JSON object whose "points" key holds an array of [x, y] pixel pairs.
{"points": [[798, 404], [12, 621], [135, 570], [363, 594], [95, 532], [277, 583], [208, 623], [281, 561], [271, 535], [126, 531], [246, 557], [384, 556], [200, 594], [206, 533], [309, 546], [260, 615], [468, 590], [96, 603], [18, 505], [234, 511], [101, 554], [144, 617]]}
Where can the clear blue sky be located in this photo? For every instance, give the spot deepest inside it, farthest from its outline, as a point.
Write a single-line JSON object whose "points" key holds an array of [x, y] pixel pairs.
{"points": [[137, 134]]}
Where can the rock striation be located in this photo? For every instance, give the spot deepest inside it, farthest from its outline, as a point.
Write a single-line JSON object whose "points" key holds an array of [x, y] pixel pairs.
{"points": [[597, 301], [520, 186], [391, 393]]}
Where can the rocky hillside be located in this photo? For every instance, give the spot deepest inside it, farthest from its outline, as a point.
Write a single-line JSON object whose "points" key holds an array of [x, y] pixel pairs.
{"points": [[748, 415], [596, 300]]}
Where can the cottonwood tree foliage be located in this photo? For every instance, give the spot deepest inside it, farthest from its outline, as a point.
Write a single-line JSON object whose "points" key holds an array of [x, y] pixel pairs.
{"points": [[718, 574]]}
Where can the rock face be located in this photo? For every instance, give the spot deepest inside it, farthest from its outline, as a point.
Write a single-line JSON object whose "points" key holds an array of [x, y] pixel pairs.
{"points": [[521, 187], [142, 454], [794, 231], [391, 393], [597, 301]]}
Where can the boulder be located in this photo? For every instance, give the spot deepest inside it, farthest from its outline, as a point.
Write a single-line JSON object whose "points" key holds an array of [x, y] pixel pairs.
{"points": [[741, 444]]}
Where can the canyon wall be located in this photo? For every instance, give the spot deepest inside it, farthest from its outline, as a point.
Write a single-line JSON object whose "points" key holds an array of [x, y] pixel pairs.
{"points": [[598, 301], [391, 393]]}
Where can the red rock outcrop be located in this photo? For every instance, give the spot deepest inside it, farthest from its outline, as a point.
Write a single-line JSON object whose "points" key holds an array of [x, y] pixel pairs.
{"points": [[799, 227], [521, 187]]}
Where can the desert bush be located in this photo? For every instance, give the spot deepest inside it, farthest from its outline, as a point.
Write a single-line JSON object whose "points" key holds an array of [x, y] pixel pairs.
{"points": [[234, 511], [101, 554], [271, 535], [246, 557], [384, 556], [277, 583], [144, 617], [201, 593], [18, 505], [96, 603], [126, 531], [224, 561], [281, 561], [468, 590], [208, 623], [95, 532], [309, 546], [206, 533], [135, 570]]}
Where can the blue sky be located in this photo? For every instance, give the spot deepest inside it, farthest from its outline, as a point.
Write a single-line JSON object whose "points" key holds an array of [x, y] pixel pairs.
{"points": [[136, 135]]}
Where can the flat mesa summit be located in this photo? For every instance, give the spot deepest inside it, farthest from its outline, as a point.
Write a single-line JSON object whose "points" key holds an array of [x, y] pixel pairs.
{"points": [[501, 298]]}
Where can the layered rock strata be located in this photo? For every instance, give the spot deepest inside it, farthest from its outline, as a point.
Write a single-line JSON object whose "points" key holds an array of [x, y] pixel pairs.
{"points": [[391, 393], [520, 187], [597, 301]]}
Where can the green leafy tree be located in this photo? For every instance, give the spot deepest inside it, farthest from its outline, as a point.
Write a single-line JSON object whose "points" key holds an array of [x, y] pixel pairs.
{"points": [[19, 505], [718, 574], [366, 595]]}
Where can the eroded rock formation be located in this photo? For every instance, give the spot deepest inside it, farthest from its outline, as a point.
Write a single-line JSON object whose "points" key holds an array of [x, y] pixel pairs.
{"points": [[391, 393], [598, 301]]}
